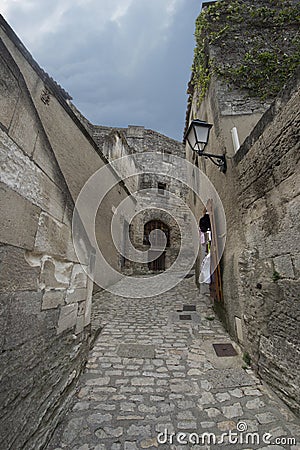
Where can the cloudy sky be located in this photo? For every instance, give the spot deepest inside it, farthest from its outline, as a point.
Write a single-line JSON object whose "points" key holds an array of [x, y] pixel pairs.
{"points": [[124, 62]]}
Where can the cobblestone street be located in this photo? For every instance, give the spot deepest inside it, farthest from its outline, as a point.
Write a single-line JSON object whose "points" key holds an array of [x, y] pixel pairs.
{"points": [[151, 370]]}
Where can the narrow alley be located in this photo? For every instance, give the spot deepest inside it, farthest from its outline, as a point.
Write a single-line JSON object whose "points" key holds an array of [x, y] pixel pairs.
{"points": [[154, 380], [117, 196]]}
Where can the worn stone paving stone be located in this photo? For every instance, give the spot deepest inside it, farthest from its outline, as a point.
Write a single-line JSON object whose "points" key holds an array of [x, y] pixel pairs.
{"points": [[171, 382]]}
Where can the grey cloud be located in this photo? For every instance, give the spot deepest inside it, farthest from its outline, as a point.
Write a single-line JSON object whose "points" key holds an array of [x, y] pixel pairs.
{"points": [[134, 72]]}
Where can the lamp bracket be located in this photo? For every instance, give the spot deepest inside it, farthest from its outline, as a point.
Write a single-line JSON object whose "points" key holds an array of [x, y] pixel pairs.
{"points": [[217, 160]]}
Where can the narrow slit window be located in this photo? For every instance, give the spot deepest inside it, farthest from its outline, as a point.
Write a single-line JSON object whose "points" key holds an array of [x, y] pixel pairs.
{"points": [[161, 187]]}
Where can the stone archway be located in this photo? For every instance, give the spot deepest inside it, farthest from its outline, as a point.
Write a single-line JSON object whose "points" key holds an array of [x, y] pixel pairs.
{"points": [[142, 225], [153, 228]]}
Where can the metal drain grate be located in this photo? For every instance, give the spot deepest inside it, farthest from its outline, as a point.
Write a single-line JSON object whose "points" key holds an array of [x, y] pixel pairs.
{"points": [[224, 350], [189, 308], [185, 317]]}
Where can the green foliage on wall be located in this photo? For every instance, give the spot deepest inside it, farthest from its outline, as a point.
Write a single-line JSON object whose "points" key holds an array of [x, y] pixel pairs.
{"points": [[253, 48]]}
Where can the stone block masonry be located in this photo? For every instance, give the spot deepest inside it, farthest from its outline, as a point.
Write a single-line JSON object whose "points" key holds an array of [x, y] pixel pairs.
{"points": [[153, 154], [45, 294], [43, 345], [261, 199], [260, 190], [260, 195], [38, 332], [270, 204]]}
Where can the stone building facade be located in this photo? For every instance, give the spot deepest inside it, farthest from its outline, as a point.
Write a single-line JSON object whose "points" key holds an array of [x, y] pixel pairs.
{"points": [[259, 192], [152, 168], [161, 197], [45, 294]]}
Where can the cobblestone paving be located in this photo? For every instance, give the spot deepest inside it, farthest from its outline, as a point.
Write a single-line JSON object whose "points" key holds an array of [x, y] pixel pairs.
{"points": [[150, 371]]}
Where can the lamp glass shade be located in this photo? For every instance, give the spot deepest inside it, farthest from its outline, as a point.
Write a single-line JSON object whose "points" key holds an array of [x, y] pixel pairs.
{"points": [[192, 138], [198, 134]]}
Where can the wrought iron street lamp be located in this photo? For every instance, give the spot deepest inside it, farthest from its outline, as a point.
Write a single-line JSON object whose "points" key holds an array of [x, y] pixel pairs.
{"points": [[197, 137]]}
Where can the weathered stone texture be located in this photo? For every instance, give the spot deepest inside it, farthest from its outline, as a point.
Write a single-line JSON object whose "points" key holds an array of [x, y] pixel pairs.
{"points": [[46, 155], [261, 196], [261, 282], [33, 359], [15, 272], [24, 128], [54, 274], [67, 317], [75, 296], [12, 207], [36, 345], [153, 156], [11, 91], [18, 172], [116, 146], [53, 299], [141, 139], [54, 238], [269, 185]]}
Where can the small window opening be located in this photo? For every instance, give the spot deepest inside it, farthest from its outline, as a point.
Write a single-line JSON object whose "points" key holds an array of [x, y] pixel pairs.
{"points": [[161, 187]]}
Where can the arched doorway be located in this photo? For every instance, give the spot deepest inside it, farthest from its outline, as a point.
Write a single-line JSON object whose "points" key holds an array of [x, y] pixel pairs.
{"points": [[155, 227]]}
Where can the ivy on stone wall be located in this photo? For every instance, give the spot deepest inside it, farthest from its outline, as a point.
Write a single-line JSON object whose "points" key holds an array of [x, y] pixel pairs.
{"points": [[252, 47]]}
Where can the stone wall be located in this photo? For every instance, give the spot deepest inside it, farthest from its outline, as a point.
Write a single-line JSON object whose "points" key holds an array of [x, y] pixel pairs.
{"points": [[260, 265], [260, 195], [268, 189], [154, 156], [168, 206], [114, 147], [163, 210], [140, 139], [45, 295], [246, 51]]}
